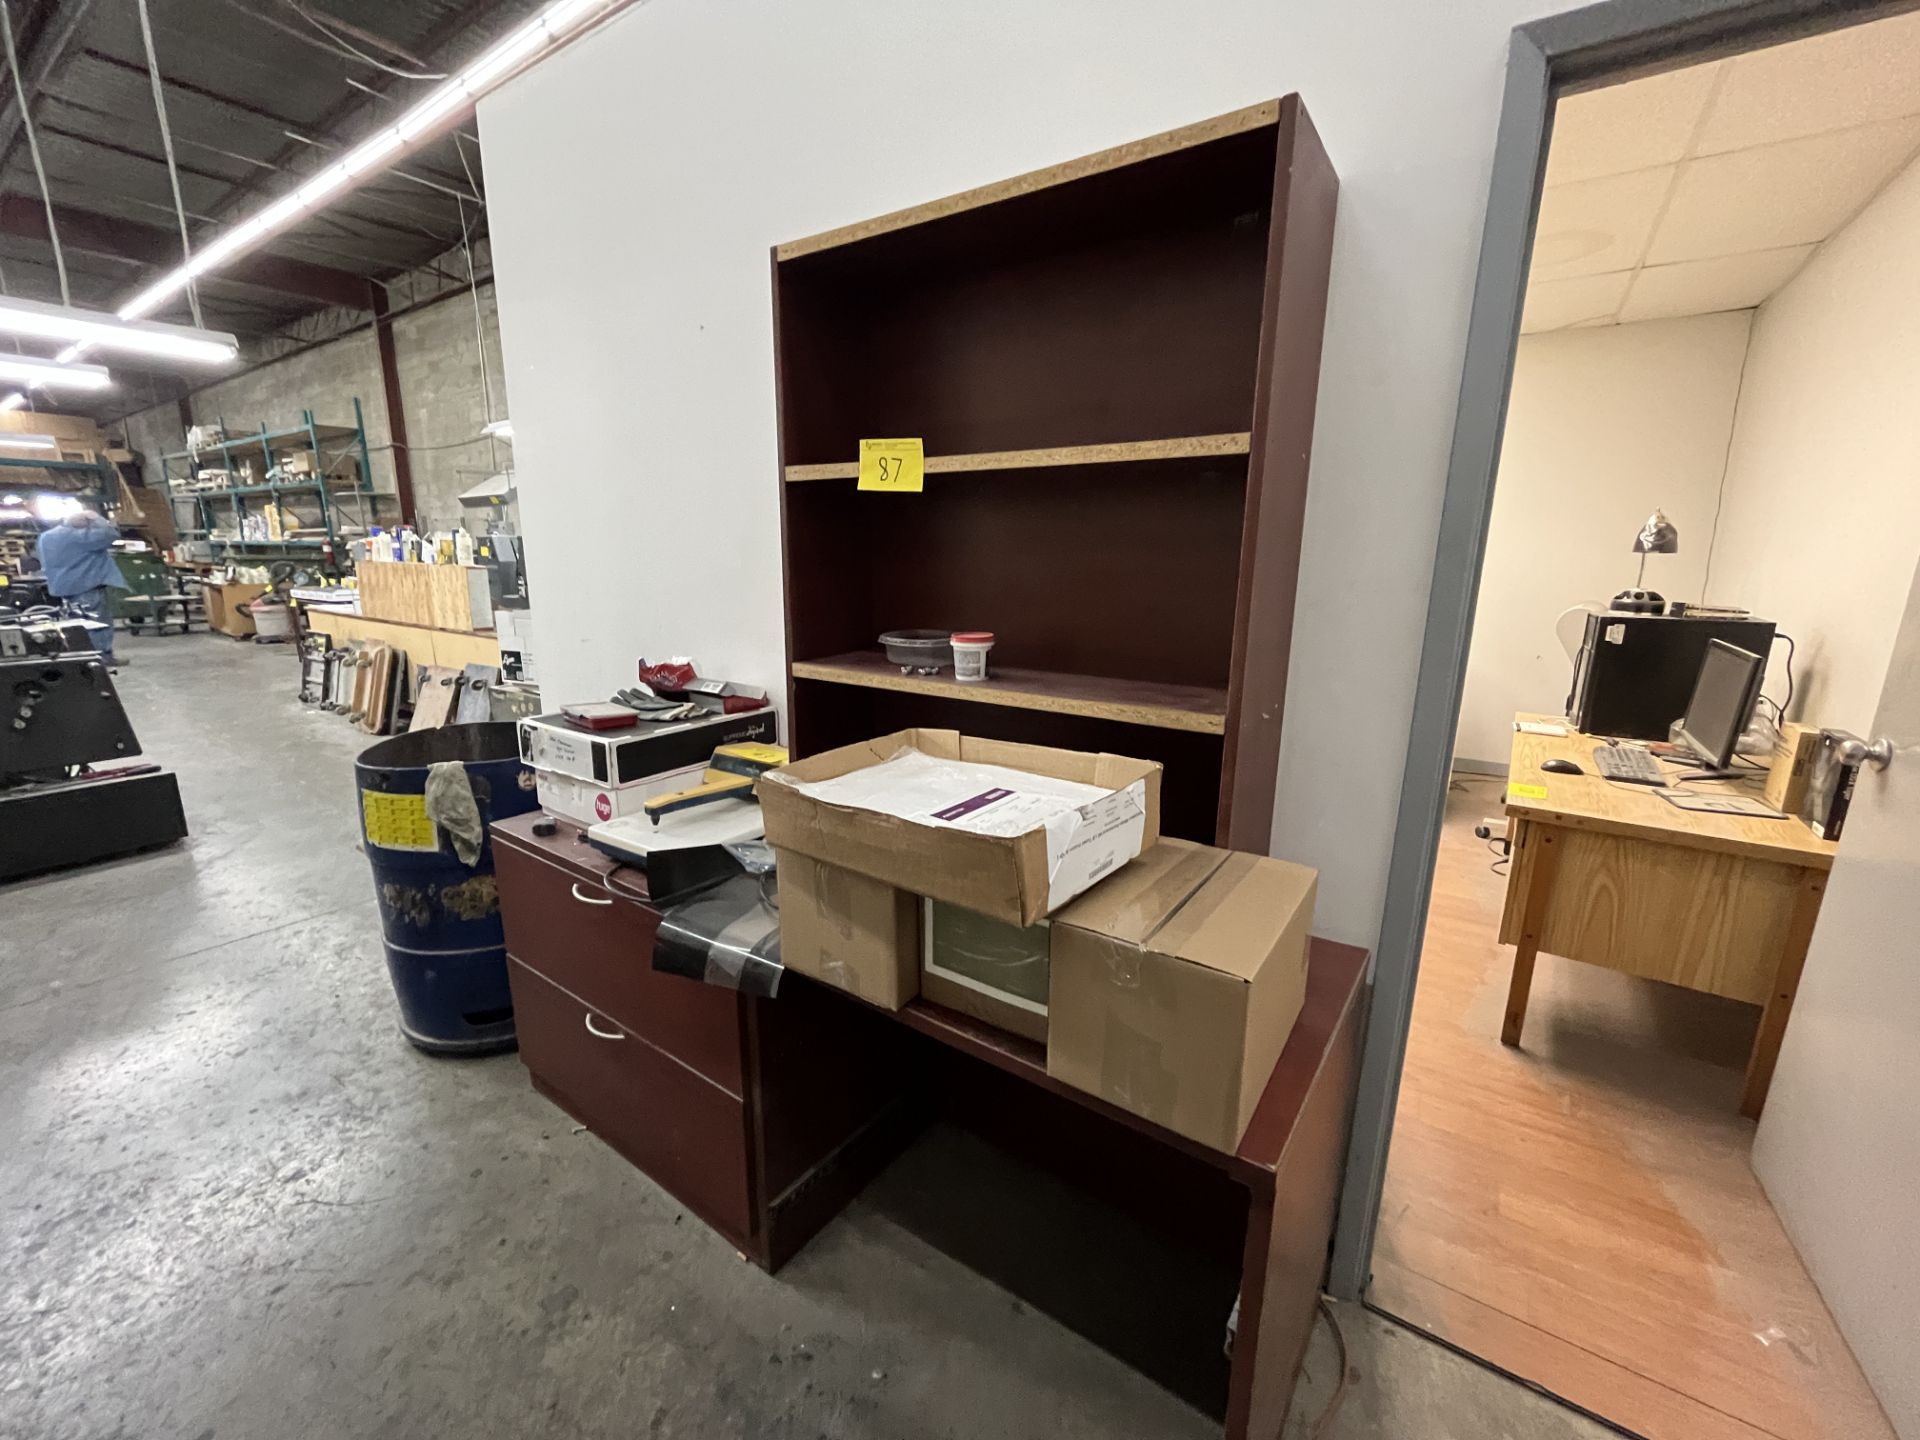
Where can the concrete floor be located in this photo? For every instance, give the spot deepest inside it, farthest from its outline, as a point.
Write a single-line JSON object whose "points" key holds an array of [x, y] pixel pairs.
{"points": [[236, 1204]]}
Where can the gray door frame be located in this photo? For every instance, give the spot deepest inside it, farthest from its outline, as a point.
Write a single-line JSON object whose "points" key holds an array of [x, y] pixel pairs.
{"points": [[1580, 50]]}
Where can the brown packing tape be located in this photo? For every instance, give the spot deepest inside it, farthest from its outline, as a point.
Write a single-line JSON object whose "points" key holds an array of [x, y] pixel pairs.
{"points": [[847, 930], [1136, 902], [837, 929], [1166, 1019]]}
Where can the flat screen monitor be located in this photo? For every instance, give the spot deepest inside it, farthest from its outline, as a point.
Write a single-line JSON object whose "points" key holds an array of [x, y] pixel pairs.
{"points": [[1723, 699]]}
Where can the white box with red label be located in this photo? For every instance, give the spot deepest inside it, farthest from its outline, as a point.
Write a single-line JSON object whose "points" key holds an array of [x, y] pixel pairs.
{"points": [[586, 802]]}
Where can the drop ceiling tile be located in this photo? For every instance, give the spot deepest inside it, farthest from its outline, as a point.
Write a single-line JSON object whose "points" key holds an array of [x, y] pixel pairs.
{"points": [[1590, 227], [1632, 126], [1850, 77], [1793, 193], [1703, 287], [1585, 300]]}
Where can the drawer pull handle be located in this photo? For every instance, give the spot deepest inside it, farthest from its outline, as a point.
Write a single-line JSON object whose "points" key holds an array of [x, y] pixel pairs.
{"points": [[589, 899], [595, 1030]]}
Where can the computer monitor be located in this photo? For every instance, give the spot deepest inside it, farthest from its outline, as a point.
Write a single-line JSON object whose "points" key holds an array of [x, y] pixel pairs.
{"points": [[1723, 699]]}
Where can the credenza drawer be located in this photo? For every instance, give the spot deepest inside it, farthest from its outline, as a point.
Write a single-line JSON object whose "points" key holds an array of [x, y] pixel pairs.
{"points": [[598, 945], [686, 1133]]}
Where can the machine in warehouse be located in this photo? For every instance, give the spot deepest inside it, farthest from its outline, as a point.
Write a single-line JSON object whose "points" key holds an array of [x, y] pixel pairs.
{"points": [[68, 794]]}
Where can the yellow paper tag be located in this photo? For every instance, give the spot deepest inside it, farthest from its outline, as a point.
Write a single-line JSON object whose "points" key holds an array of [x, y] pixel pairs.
{"points": [[398, 822], [892, 465], [1526, 792], [4, 580]]}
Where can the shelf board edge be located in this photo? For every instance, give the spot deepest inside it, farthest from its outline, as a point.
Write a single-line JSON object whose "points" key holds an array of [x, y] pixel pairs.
{"points": [[1157, 716], [1122, 452], [1219, 127]]}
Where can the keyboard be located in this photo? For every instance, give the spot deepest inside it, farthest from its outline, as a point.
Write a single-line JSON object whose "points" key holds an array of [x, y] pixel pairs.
{"points": [[1629, 763]]}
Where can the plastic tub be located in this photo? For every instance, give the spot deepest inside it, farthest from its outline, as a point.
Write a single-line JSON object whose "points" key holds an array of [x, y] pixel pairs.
{"points": [[970, 649], [919, 652]]}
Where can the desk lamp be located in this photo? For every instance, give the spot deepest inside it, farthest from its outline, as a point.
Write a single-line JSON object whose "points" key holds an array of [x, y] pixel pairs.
{"points": [[1656, 537]]}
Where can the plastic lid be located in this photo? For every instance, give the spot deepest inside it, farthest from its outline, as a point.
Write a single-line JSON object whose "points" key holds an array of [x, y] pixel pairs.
{"points": [[973, 637]]}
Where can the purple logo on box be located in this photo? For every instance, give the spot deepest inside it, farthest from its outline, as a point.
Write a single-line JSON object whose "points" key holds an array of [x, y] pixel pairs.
{"points": [[967, 807]]}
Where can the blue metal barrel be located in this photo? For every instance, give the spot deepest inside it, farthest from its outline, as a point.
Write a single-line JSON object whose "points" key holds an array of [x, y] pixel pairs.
{"points": [[446, 951]]}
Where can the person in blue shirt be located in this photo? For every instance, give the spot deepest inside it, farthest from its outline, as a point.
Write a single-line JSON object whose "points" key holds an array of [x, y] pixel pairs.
{"points": [[77, 557]]}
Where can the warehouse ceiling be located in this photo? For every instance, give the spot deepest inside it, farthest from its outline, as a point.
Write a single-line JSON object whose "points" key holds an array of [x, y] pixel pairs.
{"points": [[259, 94]]}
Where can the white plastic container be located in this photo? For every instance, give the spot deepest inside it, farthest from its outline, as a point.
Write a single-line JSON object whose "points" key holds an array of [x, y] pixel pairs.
{"points": [[970, 649]]}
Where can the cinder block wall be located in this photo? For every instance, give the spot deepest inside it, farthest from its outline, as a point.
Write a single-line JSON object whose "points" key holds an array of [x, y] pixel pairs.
{"points": [[437, 357]]}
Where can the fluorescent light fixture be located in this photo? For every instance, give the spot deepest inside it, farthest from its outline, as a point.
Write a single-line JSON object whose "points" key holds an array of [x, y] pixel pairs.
{"points": [[498, 429], [12, 402], [11, 441], [53, 375], [46, 321], [55, 507], [524, 43]]}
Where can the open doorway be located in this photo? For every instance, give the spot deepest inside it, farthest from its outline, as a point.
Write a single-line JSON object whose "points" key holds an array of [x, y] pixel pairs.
{"points": [[1713, 372]]}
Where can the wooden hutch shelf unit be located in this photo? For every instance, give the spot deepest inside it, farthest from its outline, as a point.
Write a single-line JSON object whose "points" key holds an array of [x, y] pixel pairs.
{"points": [[1112, 365]]}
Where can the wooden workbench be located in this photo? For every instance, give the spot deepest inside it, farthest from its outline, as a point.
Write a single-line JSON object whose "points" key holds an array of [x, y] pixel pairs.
{"points": [[1613, 875]]}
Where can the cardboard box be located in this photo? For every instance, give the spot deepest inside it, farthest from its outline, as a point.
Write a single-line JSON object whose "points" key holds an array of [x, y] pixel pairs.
{"points": [[223, 608], [1176, 984], [1785, 787], [1017, 877], [652, 747], [587, 803], [849, 930]]}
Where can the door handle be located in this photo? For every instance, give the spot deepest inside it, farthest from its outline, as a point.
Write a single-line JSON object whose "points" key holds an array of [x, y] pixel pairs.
{"points": [[1855, 751], [589, 899], [596, 1031]]}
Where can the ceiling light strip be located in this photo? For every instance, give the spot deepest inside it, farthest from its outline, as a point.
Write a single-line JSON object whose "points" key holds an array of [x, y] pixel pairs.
{"points": [[103, 329], [52, 375], [559, 21]]}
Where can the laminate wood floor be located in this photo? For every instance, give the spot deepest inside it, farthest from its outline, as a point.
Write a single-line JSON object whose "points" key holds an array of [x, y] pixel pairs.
{"points": [[1580, 1211]]}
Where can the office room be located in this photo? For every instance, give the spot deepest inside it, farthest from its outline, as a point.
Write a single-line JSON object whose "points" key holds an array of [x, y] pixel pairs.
{"points": [[1705, 513]]}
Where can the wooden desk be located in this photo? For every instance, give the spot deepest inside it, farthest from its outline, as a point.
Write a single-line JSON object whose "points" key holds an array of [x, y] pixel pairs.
{"points": [[765, 1116], [1614, 875]]}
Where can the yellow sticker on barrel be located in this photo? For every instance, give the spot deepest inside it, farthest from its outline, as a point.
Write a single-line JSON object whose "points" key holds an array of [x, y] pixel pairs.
{"points": [[898, 465], [398, 822], [1526, 792]]}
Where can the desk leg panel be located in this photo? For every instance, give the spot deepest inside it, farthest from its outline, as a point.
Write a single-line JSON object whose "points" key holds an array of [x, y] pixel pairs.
{"points": [[1542, 864], [1289, 1240], [1779, 1008]]}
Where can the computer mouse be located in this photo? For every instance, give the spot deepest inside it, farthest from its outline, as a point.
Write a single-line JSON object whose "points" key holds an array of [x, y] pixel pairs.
{"points": [[1557, 766]]}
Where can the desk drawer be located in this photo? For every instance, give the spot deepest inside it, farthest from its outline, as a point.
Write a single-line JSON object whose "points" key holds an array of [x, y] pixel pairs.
{"points": [[686, 1134], [599, 946]]}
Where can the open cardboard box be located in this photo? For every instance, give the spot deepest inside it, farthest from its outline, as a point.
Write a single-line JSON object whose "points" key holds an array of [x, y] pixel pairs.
{"points": [[1017, 878]]}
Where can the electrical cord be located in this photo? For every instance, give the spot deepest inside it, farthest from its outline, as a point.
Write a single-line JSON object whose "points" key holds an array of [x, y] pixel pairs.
{"points": [[340, 46], [166, 144], [1321, 1425], [33, 149], [1782, 635], [1506, 855]]}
